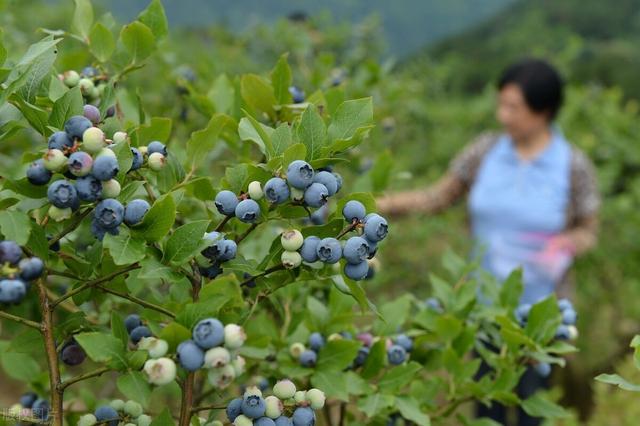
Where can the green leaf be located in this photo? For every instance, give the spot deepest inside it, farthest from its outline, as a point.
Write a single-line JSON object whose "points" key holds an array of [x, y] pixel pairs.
{"points": [[124, 248], [349, 116], [102, 347], [134, 385], [250, 129], [38, 241], [258, 94], [410, 409], [185, 242], [159, 129], [332, 383], [337, 354], [622, 383], [138, 40], [65, 107], [164, 419], [281, 80], [15, 225], [154, 18], [19, 366], [203, 141], [158, 220], [511, 289], [36, 116], [398, 376], [118, 328], [318, 311], [295, 152], [3, 50], [312, 131], [101, 42], [281, 139], [543, 320], [194, 312], [82, 18], [375, 361], [174, 333], [539, 406], [375, 404]]}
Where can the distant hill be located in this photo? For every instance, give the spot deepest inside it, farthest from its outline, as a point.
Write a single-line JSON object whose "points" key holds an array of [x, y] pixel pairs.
{"points": [[408, 25], [590, 40]]}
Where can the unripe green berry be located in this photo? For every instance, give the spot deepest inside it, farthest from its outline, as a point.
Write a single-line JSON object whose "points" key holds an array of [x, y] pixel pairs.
{"points": [[143, 420], [143, 149], [255, 190], [238, 365], [54, 160], [573, 332], [134, 409], [156, 161], [94, 93], [86, 86], [291, 240], [242, 420], [58, 214], [217, 357], [106, 152], [119, 137], [291, 259], [296, 194], [300, 397], [334, 336], [160, 371], [222, 377], [215, 423], [110, 188], [70, 78], [296, 349], [252, 391], [93, 140], [274, 407], [157, 348], [117, 404], [316, 398], [87, 420], [284, 389], [234, 336]]}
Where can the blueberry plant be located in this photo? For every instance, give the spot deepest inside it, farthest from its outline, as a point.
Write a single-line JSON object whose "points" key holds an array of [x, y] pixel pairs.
{"points": [[178, 270]]}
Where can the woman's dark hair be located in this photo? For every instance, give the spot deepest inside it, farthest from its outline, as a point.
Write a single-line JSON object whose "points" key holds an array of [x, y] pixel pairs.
{"points": [[540, 83]]}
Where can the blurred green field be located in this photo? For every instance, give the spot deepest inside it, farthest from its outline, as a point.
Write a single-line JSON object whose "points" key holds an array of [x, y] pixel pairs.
{"points": [[429, 107]]}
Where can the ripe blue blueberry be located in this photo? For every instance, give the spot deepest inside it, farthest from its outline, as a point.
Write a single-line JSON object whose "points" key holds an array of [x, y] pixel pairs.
{"points": [[328, 180], [563, 333], [10, 252], [12, 291], [363, 354], [80, 163], [308, 358], [543, 369], [316, 341], [135, 211], [226, 202], [373, 248], [89, 188], [353, 209], [60, 140], [62, 194], [304, 416], [316, 195], [276, 190], [356, 250], [264, 421], [396, 355], [106, 413], [564, 304], [297, 94], [405, 341], [105, 167], [309, 248], [234, 409], [31, 268], [253, 406], [27, 399], [319, 217], [357, 272], [132, 321], [72, 354], [76, 126], [339, 180], [92, 113], [375, 228], [208, 333], [329, 250], [247, 211], [190, 356], [89, 72], [138, 159], [157, 146], [40, 408], [569, 317], [283, 421], [139, 332], [109, 213], [300, 174], [433, 304], [221, 250], [38, 174]]}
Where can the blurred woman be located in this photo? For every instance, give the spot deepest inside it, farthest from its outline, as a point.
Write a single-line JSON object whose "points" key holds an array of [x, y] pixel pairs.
{"points": [[532, 195]]}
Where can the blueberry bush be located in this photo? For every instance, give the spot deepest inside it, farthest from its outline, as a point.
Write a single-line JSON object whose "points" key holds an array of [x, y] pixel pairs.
{"points": [[162, 269]]}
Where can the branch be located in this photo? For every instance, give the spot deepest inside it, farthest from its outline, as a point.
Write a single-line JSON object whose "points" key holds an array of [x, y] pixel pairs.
{"points": [[223, 223], [21, 320], [149, 190], [138, 301], [348, 229], [96, 373], [246, 233], [187, 400], [63, 274], [73, 225], [279, 267]]}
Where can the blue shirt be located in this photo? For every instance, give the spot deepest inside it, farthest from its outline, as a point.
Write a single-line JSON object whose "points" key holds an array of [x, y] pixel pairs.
{"points": [[516, 206]]}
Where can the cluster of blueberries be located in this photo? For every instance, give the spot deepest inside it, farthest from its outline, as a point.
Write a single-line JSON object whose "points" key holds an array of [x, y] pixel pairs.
{"points": [[219, 250], [252, 409], [356, 250], [91, 81], [567, 330], [31, 405], [398, 348], [127, 413], [16, 272], [110, 214], [160, 370]]}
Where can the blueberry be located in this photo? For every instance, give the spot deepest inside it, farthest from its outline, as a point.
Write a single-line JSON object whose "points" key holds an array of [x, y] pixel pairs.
{"points": [[309, 248], [92, 113], [316, 341], [109, 213], [319, 217], [223, 250], [76, 125], [563, 333], [105, 413], [156, 161], [70, 78], [234, 409], [522, 313], [297, 94], [59, 140], [89, 72], [253, 406], [543, 369], [276, 190], [316, 195], [405, 341], [433, 304], [356, 250], [132, 321], [135, 211], [190, 356], [54, 160], [38, 174], [80, 163], [12, 291], [93, 140], [139, 332], [264, 421], [353, 210], [328, 180], [564, 304], [569, 317], [111, 111], [363, 354], [157, 146], [72, 353], [247, 211], [304, 416], [138, 159], [339, 180], [10, 252], [396, 355], [329, 250], [208, 333], [375, 228], [31, 268], [373, 248], [357, 272], [40, 408], [105, 168], [62, 194], [27, 399], [300, 174], [226, 202], [89, 188], [308, 358]]}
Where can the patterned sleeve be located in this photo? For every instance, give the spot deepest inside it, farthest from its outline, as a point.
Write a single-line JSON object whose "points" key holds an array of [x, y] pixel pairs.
{"points": [[585, 198], [465, 165]]}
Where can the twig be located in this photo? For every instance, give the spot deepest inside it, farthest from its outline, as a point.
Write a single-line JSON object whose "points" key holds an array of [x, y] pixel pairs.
{"points": [[149, 190], [63, 274], [137, 300], [246, 233], [348, 229], [96, 373], [223, 223], [279, 267], [73, 225], [21, 320]]}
